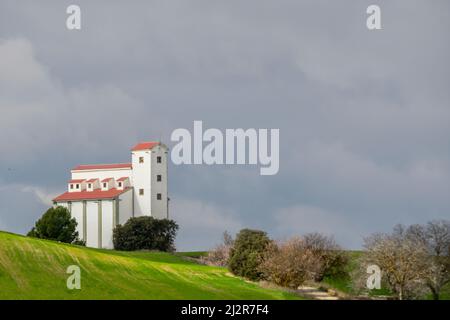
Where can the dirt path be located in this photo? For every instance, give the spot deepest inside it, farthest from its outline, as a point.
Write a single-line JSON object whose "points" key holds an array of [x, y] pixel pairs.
{"points": [[315, 293]]}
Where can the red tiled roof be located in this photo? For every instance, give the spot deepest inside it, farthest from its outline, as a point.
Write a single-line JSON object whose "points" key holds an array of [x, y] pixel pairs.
{"points": [[76, 180], [122, 179], [97, 194], [92, 180], [103, 166], [145, 145], [106, 179]]}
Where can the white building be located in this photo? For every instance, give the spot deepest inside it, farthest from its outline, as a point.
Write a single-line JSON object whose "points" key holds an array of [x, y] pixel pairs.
{"points": [[101, 196]]}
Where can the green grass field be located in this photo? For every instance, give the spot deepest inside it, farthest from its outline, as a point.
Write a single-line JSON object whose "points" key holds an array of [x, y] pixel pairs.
{"points": [[36, 269]]}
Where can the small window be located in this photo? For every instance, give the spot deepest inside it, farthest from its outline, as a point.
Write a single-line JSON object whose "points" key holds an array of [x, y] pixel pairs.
{"points": [[141, 159], [78, 186], [71, 186], [158, 196], [89, 186], [141, 192], [158, 178], [120, 184], [158, 159], [104, 184]]}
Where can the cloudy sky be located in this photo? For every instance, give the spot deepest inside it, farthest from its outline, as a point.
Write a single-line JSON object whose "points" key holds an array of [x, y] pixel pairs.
{"points": [[364, 116]]}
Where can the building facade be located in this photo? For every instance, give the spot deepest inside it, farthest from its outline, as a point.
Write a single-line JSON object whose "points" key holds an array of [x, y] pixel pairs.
{"points": [[102, 196]]}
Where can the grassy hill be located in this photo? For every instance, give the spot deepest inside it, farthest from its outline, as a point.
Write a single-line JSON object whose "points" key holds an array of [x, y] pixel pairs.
{"points": [[36, 269]]}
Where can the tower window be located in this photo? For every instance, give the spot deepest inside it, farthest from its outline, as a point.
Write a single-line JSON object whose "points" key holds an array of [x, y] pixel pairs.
{"points": [[141, 159], [71, 186], [158, 196], [158, 178], [120, 184], [78, 186], [141, 192], [158, 159], [104, 184], [89, 185]]}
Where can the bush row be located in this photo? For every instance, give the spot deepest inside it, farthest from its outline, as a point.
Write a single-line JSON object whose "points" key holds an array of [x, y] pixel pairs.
{"points": [[290, 263]]}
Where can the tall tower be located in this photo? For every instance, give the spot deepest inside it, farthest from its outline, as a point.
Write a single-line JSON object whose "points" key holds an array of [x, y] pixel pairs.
{"points": [[149, 179]]}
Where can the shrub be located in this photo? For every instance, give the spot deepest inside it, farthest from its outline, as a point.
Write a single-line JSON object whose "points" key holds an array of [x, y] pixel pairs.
{"points": [[56, 224], [289, 264], [145, 233], [220, 255], [246, 254], [297, 260], [332, 259]]}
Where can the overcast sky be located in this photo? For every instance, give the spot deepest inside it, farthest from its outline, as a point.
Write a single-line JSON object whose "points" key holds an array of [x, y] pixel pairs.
{"points": [[364, 116]]}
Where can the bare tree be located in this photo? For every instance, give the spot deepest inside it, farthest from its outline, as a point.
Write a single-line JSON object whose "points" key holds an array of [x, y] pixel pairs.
{"points": [[402, 259], [435, 237], [227, 239], [289, 263]]}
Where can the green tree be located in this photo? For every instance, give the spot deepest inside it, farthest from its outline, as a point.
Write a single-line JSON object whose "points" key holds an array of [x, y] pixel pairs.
{"points": [[145, 233], [246, 254], [56, 224]]}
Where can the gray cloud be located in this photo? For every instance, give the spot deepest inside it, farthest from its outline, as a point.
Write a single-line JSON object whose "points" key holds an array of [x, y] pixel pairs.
{"points": [[202, 224], [363, 116]]}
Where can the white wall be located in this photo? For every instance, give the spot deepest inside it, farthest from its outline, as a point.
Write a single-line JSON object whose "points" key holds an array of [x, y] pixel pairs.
{"points": [[159, 207], [125, 206], [107, 224], [77, 213], [92, 219], [141, 180], [92, 224]]}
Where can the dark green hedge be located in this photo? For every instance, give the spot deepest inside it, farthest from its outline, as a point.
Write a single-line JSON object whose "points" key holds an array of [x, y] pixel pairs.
{"points": [[145, 233]]}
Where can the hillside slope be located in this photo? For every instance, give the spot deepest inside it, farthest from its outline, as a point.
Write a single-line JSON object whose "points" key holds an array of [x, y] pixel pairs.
{"points": [[36, 269]]}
